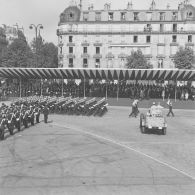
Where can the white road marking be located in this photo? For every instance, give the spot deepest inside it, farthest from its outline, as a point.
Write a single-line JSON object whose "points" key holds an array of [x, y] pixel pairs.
{"points": [[127, 147], [171, 143]]}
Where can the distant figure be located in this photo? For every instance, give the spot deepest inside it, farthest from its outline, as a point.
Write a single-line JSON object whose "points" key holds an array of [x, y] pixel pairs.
{"points": [[135, 110], [153, 106], [159, 106], [186, 95], [169, 103], [163, 94], [45, 113]]}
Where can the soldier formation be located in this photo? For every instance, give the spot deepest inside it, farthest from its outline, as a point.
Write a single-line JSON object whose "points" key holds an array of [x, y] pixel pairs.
{"points": [[26, 111]]}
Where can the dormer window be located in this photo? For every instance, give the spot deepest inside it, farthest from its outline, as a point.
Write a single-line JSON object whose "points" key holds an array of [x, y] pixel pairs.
{"points": [[174, 16], [71, 15], [189, 14], [85, 16], [162, 16], [98, 16], [122, 15], [189, 38], [110, 16], [136, 16]]}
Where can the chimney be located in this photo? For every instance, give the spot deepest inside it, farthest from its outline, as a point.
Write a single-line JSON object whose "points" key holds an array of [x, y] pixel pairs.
{"points": [[107, 6], [130, 6], [153, 5]]}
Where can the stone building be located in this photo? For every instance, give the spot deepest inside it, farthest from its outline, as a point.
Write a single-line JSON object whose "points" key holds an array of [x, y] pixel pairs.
{"points": [[104, 38]]}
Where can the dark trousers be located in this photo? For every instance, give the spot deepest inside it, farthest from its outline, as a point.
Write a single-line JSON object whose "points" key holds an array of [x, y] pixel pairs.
{"points": [[37, 118], [45, 118], [170, 112], [134, 111]]}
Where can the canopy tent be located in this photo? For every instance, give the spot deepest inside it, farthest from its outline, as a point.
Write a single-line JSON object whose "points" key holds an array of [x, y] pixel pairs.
{"points": [[106, 74]]}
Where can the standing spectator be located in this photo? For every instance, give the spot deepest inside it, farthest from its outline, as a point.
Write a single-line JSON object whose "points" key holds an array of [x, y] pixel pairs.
{"points": [[163, 94], [142, 94], [186, 95], [45, 113], [170, 108]]}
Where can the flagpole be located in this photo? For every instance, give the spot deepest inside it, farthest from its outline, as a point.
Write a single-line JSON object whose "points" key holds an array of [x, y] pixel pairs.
{"points": [[20, 88], [117, 90], [176, 91], [41, 88], [106, 90], [84, 88], [62, 87]]}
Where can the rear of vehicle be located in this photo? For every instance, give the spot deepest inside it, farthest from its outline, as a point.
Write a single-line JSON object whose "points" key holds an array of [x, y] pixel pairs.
{"points": [[155, 122]]}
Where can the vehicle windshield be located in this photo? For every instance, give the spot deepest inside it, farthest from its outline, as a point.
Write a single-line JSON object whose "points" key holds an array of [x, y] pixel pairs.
{"points": [[157, 112]]}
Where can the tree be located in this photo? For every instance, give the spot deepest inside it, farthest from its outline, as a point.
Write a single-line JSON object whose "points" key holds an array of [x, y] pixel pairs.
{"points": [[184, 58], [49, 54], [137, 61], [3, 43], [46, 54], [18, 54]]}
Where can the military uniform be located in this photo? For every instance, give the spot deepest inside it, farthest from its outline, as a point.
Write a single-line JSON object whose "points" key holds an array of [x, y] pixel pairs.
{"points": [[45, 113], [170, 109]]}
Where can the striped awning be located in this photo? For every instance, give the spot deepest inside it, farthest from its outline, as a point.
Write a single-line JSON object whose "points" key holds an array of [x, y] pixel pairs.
{"points": [[109, 74]]}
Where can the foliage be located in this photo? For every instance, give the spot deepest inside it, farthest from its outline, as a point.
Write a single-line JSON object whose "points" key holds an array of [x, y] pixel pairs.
{"points": [[184, 58], [137, 61], [46, 54], [3, 43], [18, 54]]}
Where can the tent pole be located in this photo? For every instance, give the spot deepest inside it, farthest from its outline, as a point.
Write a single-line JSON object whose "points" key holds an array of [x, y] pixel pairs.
{"points": [[117, 90], [20, 88], [176, 91], [84, 88], [106, 90], [62, 87], [41, 88]]}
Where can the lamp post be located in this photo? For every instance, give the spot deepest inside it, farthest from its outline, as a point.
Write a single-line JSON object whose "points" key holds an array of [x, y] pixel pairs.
{"points": [[37, 28]]}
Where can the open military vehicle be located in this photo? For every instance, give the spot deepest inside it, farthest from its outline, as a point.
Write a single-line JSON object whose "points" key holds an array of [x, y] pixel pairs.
{"points": [[153, 120]]}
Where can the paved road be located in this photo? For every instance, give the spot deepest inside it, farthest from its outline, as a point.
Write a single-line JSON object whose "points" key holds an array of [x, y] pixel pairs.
{"points": [[109, 155]]}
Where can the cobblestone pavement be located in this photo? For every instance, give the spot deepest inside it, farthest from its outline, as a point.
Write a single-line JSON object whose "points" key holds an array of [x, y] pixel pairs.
{"points": [[108, 155]]}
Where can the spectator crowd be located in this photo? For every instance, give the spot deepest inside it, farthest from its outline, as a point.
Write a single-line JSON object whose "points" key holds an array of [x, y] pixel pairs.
{"points": [[98, 89]]}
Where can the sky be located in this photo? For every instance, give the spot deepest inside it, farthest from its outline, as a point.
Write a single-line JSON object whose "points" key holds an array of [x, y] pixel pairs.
{"points": [[46, 12]]}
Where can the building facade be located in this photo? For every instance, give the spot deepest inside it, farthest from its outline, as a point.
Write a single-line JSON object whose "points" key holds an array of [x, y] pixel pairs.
{"points": [[11, 33], [104, 38]]}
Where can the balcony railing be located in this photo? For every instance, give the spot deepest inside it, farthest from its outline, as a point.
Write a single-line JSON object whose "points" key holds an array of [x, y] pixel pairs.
{"points": [[148, 29], [70, 65], [85, 65]]}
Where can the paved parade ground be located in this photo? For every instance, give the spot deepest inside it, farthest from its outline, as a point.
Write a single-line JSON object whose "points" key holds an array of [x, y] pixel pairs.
{"points": [[92, 155]]}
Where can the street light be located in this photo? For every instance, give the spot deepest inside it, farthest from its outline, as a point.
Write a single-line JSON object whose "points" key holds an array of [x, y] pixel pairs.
{"points": [[36, 27]]}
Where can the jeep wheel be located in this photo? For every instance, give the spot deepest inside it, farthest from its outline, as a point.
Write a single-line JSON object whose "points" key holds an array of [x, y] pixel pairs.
{"points": [[164, 131], [1, 134], [143, 129]]}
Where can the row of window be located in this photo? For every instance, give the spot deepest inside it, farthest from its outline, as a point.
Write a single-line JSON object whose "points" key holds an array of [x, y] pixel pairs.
{"points": [[85, 63], [97, 62], [136, 16], [97, 49], [148, 39], [135, 40]]}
